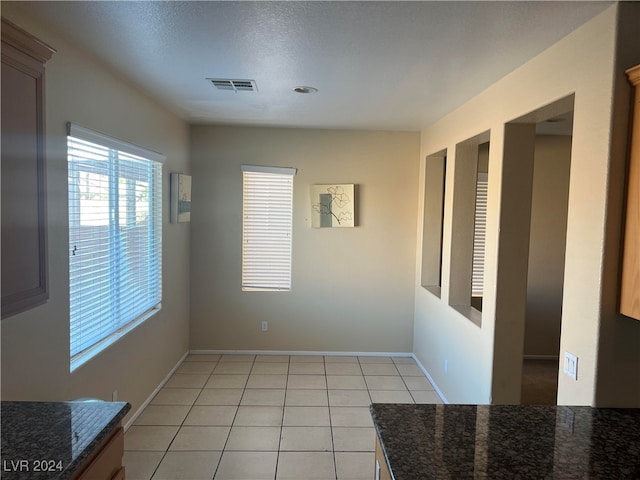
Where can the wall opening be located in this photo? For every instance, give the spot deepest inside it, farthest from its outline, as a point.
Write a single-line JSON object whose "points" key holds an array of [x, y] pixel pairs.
{"points": [[525, 201], [433, 222], [545, 276], [468, 227]]}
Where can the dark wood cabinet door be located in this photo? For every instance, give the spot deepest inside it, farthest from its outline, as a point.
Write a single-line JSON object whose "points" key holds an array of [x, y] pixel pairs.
{"points": [[24, 219]]}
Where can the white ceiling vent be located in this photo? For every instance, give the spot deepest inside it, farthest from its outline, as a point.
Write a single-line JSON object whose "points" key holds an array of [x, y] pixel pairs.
{"points": [[234, 85]]}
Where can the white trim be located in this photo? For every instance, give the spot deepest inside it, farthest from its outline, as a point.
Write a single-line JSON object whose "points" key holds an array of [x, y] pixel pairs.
{"points": [[92, 136], [140, 409], [302, 352], [264, 169], [430, 378], [330, 354]]}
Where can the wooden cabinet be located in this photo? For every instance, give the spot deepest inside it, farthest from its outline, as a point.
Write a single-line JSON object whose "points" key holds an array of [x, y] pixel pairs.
{"points": [[24, 219], [106, 464], [119, 475], [630, 287], [382, 470]]}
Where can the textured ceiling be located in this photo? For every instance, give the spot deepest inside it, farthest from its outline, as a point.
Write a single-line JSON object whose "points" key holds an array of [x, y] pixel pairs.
{"points": [[377, 65]]}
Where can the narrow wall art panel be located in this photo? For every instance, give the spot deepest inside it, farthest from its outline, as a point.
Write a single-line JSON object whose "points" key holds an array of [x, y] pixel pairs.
{"points": [[180, 198], [333, 205]]}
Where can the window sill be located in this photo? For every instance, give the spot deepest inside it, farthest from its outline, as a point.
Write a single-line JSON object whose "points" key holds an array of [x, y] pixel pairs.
{"points": [[470, 313], [433, 289], [264, 289], [82, 358]]}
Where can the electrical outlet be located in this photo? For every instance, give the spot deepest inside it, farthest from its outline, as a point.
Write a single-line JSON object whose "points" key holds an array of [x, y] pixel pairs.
{"points": [[114, 396], [571, 365], [446, 366], [265, 326]]}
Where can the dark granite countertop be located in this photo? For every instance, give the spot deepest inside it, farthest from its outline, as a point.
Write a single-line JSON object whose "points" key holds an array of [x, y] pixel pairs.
{"points": [[50, 440], [423, 442]]}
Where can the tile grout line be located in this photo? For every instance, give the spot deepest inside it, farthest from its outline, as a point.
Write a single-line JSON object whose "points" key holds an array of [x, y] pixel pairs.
{"points": [[254, 362], [284, 403], [333, 446], [182, 423], [224, 447], [404, 382]]}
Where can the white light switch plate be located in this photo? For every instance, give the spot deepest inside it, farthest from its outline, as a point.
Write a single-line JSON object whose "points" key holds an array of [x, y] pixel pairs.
{"points": [[571, 365]]}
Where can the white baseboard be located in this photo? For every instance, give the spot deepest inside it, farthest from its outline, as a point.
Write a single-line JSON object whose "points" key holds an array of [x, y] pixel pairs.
{"points": [[280, 352], [302, 352], [426, 373], [154, 393], [327, 353]]}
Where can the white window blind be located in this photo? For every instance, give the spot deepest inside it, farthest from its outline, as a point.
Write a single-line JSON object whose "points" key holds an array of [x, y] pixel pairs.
{"points": [[115, 239], [267, 212], [479, 232]]}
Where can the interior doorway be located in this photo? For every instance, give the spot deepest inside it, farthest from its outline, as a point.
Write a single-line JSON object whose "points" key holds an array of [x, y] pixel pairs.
{"points": [[545, 275]]}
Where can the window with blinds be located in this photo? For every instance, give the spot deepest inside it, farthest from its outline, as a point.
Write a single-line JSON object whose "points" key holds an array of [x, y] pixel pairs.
{"points": [[479, 232], [267, 220], [115, 239]]}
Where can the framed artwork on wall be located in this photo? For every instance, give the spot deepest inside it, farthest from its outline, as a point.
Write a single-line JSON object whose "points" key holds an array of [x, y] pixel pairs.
{"points": [[333, 205], [180, 198]]}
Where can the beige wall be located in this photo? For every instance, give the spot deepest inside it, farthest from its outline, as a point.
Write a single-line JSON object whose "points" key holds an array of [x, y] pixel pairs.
{"points": [[583, 64], [352, 288], [35, 344], [545, 279]]}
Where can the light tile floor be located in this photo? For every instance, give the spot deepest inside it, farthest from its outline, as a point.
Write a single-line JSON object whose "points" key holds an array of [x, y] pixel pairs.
{"points": [[276, 417]]}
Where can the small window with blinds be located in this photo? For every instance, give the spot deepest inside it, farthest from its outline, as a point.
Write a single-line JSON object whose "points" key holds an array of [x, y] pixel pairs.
{"points": [[267, 221], [479, 232], [115, 239]]}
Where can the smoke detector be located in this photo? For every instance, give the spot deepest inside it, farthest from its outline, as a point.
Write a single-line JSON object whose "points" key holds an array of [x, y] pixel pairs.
{"points": [[234, 85], [305, 89]]}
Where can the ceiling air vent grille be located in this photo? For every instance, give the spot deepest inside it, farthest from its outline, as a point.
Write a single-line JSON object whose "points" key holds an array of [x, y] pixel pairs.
{"points": [[234, 85]]}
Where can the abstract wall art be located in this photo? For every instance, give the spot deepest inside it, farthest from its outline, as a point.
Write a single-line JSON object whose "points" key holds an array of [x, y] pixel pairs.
{"points": [[180, 198], [333, 205]]}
